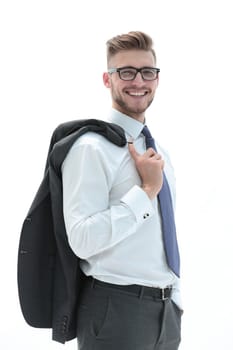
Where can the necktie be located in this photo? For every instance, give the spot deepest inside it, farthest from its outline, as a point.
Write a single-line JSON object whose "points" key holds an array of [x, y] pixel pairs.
{"points": [[167, 215]]}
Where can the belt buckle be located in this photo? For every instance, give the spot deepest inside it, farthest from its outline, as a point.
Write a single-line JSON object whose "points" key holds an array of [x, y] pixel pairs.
{"points": [[163, 297]]}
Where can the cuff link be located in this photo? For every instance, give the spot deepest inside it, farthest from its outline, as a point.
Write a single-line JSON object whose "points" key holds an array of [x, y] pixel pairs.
{"points": [[146, 215]]}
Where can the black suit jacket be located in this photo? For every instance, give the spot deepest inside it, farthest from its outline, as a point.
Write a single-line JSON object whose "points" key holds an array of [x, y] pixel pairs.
{"points": [[49, 277]]}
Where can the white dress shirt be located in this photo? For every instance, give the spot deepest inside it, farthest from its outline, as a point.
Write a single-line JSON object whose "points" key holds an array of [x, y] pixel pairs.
{"points": [[111, 223]]}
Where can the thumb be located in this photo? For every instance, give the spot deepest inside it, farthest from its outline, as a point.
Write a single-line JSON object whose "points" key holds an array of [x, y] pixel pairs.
{"points": [[132, 150]]}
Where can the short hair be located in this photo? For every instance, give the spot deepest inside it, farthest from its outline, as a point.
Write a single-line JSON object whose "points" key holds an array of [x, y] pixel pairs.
{"points": [[134, 40]]}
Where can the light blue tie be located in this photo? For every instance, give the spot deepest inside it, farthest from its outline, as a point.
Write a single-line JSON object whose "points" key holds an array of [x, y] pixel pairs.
{"points": [[167, 214]]}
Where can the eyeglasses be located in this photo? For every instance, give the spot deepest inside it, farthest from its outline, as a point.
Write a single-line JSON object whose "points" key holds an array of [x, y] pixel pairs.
{"points": [[129, 73]]}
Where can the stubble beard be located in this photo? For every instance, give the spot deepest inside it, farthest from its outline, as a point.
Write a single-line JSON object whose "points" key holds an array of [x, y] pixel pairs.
{"points": [[129, 110]]}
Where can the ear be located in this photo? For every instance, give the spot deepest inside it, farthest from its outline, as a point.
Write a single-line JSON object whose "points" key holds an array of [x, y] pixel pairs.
{"points": [[106, 80]]}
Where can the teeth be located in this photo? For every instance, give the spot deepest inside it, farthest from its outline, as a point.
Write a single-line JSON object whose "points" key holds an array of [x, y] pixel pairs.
{"points": [[137, 93]]}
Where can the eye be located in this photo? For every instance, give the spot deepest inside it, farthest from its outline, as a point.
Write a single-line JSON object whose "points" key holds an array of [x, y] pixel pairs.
{"points": [[148, 73], [127, 73]]}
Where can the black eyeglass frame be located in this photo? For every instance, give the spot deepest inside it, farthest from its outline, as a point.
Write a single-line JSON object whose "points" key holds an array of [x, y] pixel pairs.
{"points": [[118, 70]]}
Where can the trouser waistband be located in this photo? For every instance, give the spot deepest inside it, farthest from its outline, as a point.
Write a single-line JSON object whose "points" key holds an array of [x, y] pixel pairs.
{"points": [[141, 291]]}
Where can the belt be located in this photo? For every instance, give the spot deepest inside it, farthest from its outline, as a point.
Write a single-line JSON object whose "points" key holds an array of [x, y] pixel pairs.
{"points": [[140, 291]]}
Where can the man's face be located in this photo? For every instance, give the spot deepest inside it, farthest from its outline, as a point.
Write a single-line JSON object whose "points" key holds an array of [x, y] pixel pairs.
{"points": [[135, 96]]}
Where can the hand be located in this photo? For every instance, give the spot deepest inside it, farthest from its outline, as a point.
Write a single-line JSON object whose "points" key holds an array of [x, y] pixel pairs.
{"points": [[150, 168]]}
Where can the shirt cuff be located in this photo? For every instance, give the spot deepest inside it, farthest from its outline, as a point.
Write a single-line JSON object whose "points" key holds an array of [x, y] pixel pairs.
{"points": [[139, 203]]}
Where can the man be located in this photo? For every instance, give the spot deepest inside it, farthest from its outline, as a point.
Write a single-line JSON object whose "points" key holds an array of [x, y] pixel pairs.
{"points": [[113, 216]]}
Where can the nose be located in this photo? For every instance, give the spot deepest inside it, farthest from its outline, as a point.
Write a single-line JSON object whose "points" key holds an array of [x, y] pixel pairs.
{"points": [[138, 78]]}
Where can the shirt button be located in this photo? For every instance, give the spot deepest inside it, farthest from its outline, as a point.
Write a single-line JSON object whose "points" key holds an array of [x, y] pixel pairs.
{"points": [[146, 215]]}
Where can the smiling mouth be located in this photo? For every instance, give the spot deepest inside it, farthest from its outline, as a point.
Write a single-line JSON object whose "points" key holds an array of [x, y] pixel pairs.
{"points": [[137, 93]]}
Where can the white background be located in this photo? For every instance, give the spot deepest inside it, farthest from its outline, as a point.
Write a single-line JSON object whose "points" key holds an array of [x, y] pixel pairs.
{"points": [[52, 59]]}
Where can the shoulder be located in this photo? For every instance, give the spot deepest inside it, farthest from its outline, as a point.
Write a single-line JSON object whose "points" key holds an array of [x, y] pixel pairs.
{"points": [[93, 140], [75, 129], [96, 147]]}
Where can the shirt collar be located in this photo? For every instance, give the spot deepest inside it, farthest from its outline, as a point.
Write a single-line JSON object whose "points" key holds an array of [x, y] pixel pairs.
{"points": [[131, 126]]}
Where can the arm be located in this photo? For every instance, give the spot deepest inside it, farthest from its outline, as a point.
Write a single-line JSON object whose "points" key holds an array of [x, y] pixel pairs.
{"points": [[92, 223]]}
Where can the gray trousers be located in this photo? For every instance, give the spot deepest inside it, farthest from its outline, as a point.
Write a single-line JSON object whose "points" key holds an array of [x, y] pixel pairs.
{"points": [[112, 319]]}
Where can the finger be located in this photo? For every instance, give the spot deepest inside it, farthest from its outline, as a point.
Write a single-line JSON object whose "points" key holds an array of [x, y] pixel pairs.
{"points": [[158, 156], [150, 151], [132, 150]]}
